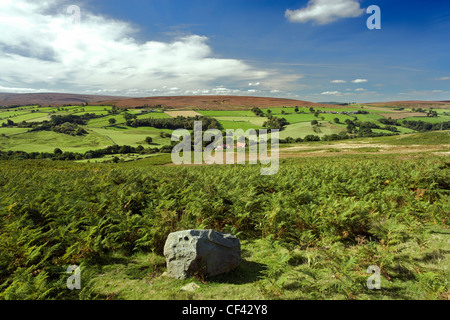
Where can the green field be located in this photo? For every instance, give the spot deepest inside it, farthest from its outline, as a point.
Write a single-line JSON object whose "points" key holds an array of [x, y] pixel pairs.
{"points": [[97, 112], [12, 131], [8, 114], [104, 121], [47, 141], [154, 115], [302, 129], [233, 113], [234, 125], [132, 136], [104, 134], [428, 119]]}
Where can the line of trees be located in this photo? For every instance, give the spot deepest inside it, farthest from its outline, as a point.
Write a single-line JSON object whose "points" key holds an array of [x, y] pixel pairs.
{"points": [[175, 123], [58, 154], [55, 120], [68, 124], [258, 112], [418, 125], [423, 126]]}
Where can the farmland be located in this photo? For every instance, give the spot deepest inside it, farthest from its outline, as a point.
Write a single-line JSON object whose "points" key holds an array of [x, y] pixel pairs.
{"points": [[373, 197], [102, 132]]}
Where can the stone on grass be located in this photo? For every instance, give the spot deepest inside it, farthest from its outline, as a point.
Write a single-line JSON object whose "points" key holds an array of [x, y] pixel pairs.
{"points": [[201, 252], [191, 287]]}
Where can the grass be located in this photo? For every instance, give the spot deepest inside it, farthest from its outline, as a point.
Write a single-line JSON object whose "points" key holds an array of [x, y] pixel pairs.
{"points": [[121, 157], [104, 122], [256, 121], [300, 117], [302, 129], [239, 125], [231, 113], [122, 135], [97, 112], [427, 138], [12, 131], [27, 117], [440, 119], [154, 115], [14, 113], [47, 141]]}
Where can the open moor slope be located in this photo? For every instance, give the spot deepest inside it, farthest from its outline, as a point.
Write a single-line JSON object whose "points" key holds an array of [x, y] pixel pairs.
{"points": [[53, 99], [213, 102], [412, 104]]}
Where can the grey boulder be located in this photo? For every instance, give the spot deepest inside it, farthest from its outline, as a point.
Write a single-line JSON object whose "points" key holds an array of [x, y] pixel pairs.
{"points": [[207, 252]]}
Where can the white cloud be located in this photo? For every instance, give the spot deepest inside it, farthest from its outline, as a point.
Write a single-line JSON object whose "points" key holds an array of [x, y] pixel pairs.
{"points": [[39, 49], [338, 81], [21, 90], [331, 93], [197, 92], [224, 91], [254, 84], [442, 78], [360, 81], [360, 90], [325, 11]]}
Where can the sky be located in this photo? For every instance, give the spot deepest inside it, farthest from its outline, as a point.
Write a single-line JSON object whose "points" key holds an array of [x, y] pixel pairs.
{"points": [[314, 50]]}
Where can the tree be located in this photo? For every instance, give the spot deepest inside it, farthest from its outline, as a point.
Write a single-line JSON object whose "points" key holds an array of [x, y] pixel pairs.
{"points": [[258, 112], [314, 123], [149, 140], [112, 121], [127, 116], [336, 120], [275, 123], [311, 138], [296, 109], [58, 151]]}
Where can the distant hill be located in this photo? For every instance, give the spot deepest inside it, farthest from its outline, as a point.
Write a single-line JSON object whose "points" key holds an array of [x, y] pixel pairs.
{"points": [[334, 103], [189, 102], [412, 104], [212, 102], [53, 99]]}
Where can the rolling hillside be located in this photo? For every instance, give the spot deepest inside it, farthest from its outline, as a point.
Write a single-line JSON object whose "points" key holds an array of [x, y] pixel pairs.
{"points": [[212, 102], [53, 99]]}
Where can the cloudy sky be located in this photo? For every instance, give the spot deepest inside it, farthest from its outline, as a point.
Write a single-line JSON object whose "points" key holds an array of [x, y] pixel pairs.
{"points": [[316, 50]]}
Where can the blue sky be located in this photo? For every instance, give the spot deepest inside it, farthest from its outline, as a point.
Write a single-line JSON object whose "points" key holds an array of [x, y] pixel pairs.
{"points": [[321, 51]]}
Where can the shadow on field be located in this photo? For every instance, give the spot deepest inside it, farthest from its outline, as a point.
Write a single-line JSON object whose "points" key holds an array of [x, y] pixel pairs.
{"points": [[247, 272]]}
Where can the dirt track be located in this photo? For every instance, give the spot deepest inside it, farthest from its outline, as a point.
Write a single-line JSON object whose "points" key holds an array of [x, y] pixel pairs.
{"points": [[333, 150], [352, 148]]}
